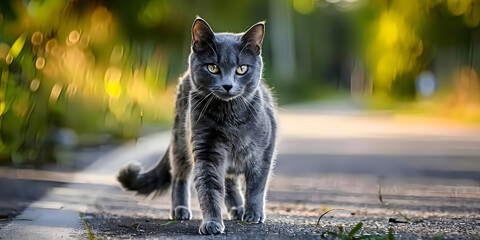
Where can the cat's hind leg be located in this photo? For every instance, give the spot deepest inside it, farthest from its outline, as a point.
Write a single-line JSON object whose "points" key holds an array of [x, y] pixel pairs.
{"points": [[233, 197], [181, 171]]}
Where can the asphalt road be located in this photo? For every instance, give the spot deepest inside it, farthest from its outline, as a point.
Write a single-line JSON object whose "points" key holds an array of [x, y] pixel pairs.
{"points": [[426, 171]]}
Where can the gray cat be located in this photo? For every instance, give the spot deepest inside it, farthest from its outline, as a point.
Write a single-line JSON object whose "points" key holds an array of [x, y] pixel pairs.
{"points": [[224, 127]]}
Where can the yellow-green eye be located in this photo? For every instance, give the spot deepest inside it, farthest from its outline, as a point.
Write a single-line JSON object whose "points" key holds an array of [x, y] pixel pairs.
{"points": [[242, 69], [213, 68]]}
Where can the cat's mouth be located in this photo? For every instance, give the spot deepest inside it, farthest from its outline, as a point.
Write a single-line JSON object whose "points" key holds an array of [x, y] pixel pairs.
{"points": [[225, 96]]}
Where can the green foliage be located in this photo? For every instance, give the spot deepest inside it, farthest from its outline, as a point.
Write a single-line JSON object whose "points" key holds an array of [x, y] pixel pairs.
{"points": [[74, 69]]}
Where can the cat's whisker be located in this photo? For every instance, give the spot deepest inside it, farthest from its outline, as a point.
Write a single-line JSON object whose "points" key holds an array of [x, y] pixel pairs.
{"points": [[254, 109], [249, 110], [271, 105], [204, 109], [256, 104], [186, 96], [190, 97], [244, 105], [255, 113], [200, 102]]}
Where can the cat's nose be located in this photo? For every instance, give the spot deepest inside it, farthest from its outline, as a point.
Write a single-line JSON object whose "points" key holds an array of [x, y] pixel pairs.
{"points": [[227, 87]]}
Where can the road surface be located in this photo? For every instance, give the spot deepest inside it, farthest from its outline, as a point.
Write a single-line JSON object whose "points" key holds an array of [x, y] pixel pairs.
{"points": [[426, 172]]}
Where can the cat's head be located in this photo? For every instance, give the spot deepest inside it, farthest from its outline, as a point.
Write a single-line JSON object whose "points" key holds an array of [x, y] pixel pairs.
{"points": [[224, 64]]}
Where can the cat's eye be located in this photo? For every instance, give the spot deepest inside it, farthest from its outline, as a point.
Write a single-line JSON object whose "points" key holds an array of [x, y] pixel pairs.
{"points": [[242, 69], [213, 68]]}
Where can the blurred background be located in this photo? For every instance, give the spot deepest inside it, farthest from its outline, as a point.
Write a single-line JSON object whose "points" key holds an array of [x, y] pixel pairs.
{"points": [[375, 97], [82, 73]]}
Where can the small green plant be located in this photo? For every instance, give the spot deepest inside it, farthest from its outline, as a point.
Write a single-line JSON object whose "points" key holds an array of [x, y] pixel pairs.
{"points": [[86, 226], [352, 234], [325, 213], [136, 225], [394, 208], [438, 237], [168, 223]]}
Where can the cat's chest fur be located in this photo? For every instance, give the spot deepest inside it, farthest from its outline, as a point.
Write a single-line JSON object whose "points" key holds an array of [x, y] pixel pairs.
{"points": [[239, 129]]}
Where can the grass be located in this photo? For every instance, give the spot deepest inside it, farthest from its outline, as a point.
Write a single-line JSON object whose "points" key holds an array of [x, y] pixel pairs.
{"points": [[352, 234], [136, 225], [325, 213], [86, 226], [168, 223], [395, 209]]}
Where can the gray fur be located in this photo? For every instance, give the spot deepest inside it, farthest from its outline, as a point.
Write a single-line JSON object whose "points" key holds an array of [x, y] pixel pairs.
{"points": [[218, 134]]}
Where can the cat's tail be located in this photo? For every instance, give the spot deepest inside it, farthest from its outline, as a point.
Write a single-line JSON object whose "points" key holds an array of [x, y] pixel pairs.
{"points": [[157, 178]]}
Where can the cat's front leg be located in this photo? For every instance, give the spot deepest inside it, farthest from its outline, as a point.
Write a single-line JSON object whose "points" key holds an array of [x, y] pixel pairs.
{"points": [[256, 188], [255, 197], [209, 182]]}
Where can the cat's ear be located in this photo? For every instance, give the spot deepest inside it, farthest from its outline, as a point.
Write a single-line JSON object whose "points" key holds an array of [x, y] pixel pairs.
{"points": [[253, 37], [202, 34]]}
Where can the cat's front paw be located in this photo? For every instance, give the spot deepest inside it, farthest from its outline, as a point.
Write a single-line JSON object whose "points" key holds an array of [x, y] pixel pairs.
{"points": [[253, 216], [211, 227], [236, 213], [181, 213]]}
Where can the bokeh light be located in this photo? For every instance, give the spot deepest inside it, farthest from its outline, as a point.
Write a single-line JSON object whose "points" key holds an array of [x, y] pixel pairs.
{"points": [[40, 63], [34, 85], [304, 6], [112, 81], [458, 7], [37, 38]]}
